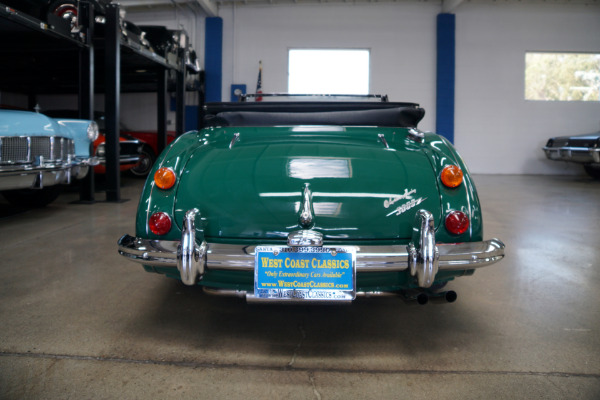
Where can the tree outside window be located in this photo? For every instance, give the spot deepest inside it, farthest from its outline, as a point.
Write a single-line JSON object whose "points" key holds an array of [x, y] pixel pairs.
{"points": [[562, 76]]}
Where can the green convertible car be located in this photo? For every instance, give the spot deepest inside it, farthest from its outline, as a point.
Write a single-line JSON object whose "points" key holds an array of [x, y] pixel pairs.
{"points": [[312, 200]]}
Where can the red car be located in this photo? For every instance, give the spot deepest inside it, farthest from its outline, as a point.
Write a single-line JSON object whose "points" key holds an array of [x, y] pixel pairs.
{"points": [[130, 150], [149, 149], [138, 150]]}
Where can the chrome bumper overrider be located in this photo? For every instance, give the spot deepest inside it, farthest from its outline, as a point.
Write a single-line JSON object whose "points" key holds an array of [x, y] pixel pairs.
{"points": [[423, 257]]}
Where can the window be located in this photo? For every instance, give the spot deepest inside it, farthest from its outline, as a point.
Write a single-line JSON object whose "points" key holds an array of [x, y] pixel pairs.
{"points": [[562, 76], [334, 71]]}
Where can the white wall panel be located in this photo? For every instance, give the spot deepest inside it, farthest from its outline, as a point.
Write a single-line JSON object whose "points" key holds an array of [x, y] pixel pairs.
{"points": [[496, 130], [401, 38]]}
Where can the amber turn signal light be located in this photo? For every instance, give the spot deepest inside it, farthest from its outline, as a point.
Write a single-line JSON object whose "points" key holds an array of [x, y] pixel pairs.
{"points": [[451, 176], [164, 178]]}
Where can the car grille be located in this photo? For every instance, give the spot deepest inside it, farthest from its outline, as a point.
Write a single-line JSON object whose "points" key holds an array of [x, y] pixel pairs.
{"points": [[129, 148], [26, 149]]}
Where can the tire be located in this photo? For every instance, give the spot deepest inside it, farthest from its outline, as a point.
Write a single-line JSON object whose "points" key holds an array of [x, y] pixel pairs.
{"points": [[144, 166], [32, 198], [593, 171]]}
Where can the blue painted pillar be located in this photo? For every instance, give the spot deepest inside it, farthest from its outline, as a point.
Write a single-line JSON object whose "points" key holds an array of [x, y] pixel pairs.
{"points": [[213, 58], [445, 84]]}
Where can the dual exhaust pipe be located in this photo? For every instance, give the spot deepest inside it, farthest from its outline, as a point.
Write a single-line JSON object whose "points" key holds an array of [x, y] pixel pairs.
{"points": [[423, 297]]}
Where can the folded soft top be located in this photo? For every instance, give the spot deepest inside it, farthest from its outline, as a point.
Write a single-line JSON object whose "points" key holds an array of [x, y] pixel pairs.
{"points": [[387, 117]]}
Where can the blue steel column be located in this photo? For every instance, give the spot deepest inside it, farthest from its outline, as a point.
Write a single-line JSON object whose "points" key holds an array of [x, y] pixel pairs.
{"points": [[213, 58], [445, 82]]}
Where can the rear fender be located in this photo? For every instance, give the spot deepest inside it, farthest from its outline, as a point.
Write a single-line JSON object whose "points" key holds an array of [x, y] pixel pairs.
{"points": [[463, 198], [154, 199]]}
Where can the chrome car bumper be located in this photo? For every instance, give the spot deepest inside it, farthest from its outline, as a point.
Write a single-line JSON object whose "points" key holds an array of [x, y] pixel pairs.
{"points": [[220, 256], [584, 155], [123, 159], [423, 257], [42, 174]]}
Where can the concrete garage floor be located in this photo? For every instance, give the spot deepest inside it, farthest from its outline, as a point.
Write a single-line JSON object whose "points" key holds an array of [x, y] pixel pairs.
{"points": [[78, 321]]}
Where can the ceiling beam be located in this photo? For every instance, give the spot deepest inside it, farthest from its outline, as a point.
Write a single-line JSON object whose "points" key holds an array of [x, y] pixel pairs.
{"points": [[207, 6], [450, 5]]}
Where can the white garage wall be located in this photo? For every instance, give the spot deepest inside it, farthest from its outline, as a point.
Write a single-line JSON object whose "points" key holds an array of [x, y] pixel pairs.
{"points": [[496, 130], [401, 38]]}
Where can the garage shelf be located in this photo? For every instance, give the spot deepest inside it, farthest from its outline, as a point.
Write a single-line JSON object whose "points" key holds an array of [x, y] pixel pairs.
{"points": [[40, 58]]}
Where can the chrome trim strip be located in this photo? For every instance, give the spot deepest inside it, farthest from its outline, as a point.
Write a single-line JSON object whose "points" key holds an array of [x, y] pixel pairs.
{"points": [[29, 149], [53, 147], [236, 137], [212, 291], [382, 139], [386, 258], [122, 159], [571, 148]]}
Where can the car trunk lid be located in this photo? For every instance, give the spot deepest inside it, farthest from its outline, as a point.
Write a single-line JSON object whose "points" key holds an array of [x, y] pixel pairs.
{"points": [[363, 186]]}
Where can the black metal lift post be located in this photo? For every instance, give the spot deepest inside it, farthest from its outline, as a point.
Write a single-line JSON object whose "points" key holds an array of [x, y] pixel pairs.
{"points": [[161, 109], [112, 54], [86, 90], [180, 96]]}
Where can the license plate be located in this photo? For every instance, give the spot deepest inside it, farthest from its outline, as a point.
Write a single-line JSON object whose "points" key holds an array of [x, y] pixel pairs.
{"points": [[305, 273]]}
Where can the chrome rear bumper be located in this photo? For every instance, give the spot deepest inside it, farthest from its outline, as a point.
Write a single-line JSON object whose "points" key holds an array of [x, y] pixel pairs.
{"points": [[423, 257], [220, 256]]}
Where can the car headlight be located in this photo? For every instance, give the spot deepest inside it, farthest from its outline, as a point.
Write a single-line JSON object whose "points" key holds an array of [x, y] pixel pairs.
{"points": [[100, 151], [93, 131]]}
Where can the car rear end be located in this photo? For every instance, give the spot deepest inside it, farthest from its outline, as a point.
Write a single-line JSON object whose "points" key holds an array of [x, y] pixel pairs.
{"points": [[310, 212]]}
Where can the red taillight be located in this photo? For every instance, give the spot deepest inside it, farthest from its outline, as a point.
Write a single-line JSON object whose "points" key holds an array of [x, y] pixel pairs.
{"points": [[457, 222], [451, 176], [160, 223]]}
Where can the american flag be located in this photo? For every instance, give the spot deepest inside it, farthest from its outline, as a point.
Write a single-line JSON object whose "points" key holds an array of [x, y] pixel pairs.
{"points": [[259, 82]]}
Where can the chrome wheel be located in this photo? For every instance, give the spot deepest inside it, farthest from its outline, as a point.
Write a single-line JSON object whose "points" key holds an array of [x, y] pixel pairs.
{"points": [[143, 167]]}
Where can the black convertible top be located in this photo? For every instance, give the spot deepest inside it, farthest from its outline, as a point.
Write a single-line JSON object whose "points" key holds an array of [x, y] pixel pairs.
{"points": [[313, 113]]}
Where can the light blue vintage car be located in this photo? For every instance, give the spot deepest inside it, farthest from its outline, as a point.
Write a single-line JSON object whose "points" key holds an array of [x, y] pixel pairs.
{"points": [[38, 154]]}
